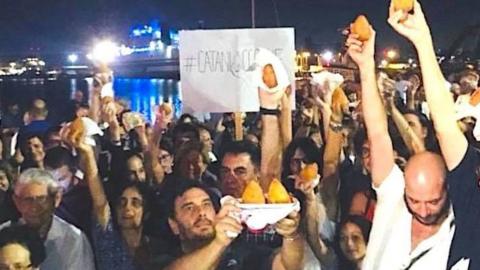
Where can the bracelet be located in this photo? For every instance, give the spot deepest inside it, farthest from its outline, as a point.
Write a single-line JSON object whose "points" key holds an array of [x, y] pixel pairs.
{"points": [[292, 238], [264, 111]]}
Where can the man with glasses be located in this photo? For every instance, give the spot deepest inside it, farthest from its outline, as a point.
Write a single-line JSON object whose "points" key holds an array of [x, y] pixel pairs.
{"points": [[36, 196]]}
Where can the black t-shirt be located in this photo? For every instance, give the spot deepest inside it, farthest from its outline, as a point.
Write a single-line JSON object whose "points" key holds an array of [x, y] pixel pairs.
{"points": [[238, 256], [464, 192]]}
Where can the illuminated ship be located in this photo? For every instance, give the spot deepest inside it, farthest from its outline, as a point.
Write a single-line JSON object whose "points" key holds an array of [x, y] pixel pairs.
{"points": [[151, 51]]}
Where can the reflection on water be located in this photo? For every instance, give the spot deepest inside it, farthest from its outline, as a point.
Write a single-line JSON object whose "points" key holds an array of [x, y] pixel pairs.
{"points": [[142, 94]]}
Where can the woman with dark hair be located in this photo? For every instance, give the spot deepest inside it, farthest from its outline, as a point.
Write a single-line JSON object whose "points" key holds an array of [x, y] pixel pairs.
{"points": [[118, 235], [20, 248], [300, 153], [8, 210], [352, 242], [423, 128]]}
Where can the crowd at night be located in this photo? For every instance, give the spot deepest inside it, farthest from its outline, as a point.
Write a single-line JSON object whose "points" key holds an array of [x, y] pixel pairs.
{"points": [[374, 167]]}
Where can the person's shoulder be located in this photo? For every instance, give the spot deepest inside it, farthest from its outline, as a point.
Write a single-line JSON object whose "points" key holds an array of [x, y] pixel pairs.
{"points": [[69, 230], [469, 160]]}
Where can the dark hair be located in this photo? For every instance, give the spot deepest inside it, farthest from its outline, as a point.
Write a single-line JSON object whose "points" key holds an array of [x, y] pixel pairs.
{"points": [[59, 156], [242, 147], [144, 190], [8, 170], [167, 145], [308, 147], [129, 154], [184, 116], [178, 190], [364, 225], [27, 238], [185, 149], [203, 127], [431, 142], [359, 139], [183, 128], [23, 141]]}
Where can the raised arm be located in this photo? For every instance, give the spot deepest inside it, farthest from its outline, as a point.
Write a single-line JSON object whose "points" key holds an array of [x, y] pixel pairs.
{"points": [[314, 215], [414, 144], [373, 110], [415, 28], [101, 208], [271, 140]]}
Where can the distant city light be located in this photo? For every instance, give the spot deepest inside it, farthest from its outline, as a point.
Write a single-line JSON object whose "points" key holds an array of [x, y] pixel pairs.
{"points": [[327, 56], [152, 45], [383, 63], [124, 50], [105, 51], [137, 32], [73, 58], [168, 53]]}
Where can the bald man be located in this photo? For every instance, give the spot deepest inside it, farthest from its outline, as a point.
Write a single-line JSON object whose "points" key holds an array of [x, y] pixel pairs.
{"points": [[425, 190], [413, 223]]}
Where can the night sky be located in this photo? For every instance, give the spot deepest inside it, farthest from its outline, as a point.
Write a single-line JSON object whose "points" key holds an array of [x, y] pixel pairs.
{"points": [[59, 26]]}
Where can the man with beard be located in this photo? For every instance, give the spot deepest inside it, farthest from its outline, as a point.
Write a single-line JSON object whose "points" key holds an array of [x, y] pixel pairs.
{"points": [[413, 224], [208, 239]]}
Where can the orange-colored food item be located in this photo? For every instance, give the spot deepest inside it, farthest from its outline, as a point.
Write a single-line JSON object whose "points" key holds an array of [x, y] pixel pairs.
{"points": [[277, 193], [339, 101], [475, 98], [309, 172], [361, 27], [76, 130], [166, 108], [253, 193], [404, 5]]}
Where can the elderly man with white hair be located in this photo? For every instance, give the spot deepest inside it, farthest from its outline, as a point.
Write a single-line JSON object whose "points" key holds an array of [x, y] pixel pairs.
{"points": [[36, 195]]}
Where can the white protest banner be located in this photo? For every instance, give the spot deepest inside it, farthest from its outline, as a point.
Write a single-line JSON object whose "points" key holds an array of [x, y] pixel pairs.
{"points": [[219, 69]]}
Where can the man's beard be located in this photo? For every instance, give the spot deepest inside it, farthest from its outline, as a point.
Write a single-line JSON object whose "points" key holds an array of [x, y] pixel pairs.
{"points": [[433, 219], [193, 241]]}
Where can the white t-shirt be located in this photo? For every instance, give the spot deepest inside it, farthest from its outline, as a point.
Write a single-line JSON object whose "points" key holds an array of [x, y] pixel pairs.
{"points": [[389, 246]]}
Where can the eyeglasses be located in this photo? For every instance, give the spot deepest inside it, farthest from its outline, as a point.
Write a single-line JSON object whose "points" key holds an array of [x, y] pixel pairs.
{"points": [[16, 266], [34, 200], [163, 157]]}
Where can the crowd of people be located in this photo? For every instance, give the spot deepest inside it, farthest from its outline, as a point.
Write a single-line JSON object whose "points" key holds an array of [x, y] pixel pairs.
{"points": [[397, 160]]}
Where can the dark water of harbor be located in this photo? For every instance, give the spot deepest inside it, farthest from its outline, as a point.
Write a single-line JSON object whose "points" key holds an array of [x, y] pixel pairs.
{"points": [[142, 94]]}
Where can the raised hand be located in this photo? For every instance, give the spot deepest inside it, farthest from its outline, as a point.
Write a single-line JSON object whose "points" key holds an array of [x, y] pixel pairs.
{"points": [[307, 187], [362, 53], [288, 227], [269, 100], [227, 224], [412, 26]]}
